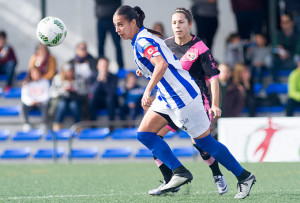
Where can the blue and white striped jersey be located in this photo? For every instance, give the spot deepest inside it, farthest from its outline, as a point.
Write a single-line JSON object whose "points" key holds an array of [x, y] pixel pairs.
{"points": [[176, 88]]}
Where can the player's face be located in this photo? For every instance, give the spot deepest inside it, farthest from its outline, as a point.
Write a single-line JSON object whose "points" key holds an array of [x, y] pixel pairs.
{"points": [[124, 28], [180, 25]]}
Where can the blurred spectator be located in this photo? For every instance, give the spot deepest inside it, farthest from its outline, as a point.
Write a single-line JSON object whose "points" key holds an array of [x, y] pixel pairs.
{"points": [[285, 48], [85, 68], [44, 61], [103, 92], [293, 91], [159, 27], [205, 13], [35, 95], [132, 95], [292, 7], [243, 79], [249, 17], [259, 56], [67, 89], [234, 50], [8, 60], [231, 97], [84, 63], [105, 10]]}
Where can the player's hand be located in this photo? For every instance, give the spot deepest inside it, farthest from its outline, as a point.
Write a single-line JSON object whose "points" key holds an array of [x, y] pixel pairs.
{"points": [[138, 73], [216, 111], [146, 100]]}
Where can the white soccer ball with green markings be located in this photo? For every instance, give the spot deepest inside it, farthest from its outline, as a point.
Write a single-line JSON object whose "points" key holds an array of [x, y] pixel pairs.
{"points": [[51, 31]]}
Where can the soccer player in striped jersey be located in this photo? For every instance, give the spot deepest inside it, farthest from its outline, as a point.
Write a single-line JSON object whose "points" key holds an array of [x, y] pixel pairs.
{"points": [[178, 99], [196, 58]]}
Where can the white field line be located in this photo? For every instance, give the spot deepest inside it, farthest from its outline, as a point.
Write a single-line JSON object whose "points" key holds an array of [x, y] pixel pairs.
{"points": [[62, 196]]}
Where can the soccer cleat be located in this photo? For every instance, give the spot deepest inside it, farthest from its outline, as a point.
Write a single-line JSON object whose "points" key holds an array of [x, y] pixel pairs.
{"points": [[178, 179], [244, 187], [221, 184], [157, 191]]}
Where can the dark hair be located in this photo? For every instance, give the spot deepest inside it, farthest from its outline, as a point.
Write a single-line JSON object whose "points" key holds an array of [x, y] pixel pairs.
{"points": [[188, 14], [103, 58], [3, 34], [289, 16], [134, 13]]}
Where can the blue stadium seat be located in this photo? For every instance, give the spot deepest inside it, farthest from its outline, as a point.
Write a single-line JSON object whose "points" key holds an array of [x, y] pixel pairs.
{"points": [[184, 135], [16, 153], [9, 110], [47, 153], [31, 135], [277, 88], [63, 134], [102, 112], [124, 152], [121, 74], [284, 73], [143, 153], [93, 133], [21, 75], [14, 92], [3, 77], [124, 133], [1, 91], [257, 88], [4, 134], [184, 151], [84, 153]]}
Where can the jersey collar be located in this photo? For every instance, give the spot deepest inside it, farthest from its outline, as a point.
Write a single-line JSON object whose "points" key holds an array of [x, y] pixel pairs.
{"points": [[134, 38]]}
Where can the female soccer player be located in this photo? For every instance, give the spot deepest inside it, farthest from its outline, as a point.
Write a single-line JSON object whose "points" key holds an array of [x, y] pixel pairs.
{"points": [[196, 58], [178, 99]]}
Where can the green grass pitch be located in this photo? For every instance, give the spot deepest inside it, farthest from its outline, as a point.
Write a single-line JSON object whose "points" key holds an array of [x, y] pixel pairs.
{"points": [[130, 182]]}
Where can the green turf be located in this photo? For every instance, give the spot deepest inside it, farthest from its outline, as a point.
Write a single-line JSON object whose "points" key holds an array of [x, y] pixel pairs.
{"points": [[130, 182]]}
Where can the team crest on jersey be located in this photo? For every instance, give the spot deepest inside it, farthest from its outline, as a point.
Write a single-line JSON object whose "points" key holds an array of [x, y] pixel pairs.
{"points": [[191, 56]]}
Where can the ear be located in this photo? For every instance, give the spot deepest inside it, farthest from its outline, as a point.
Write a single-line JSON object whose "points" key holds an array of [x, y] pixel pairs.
{"points": [[133, 23], [190, 25]]}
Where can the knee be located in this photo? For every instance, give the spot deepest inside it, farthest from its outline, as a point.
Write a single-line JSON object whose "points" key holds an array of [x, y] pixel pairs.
{"points": [[144, 136]]}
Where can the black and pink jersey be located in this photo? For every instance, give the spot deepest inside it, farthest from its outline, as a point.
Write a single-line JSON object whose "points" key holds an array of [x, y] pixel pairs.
{"points": [[196, 58]]}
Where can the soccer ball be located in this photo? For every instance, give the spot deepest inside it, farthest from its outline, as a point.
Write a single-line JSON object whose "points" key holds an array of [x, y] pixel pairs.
{"points": [[51, 31]]}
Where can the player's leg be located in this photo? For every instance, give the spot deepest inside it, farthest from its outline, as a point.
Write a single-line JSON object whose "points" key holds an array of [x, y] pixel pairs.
{"points": [[216, 172], [199, 130], [147, 135]]}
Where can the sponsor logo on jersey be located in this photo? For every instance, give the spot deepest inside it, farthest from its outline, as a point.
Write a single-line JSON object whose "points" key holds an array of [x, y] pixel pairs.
{"points": [[191, 56]]}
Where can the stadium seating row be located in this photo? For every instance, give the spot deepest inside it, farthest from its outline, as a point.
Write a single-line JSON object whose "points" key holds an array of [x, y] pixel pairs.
{"points": [[88, 153], [85, 134]]}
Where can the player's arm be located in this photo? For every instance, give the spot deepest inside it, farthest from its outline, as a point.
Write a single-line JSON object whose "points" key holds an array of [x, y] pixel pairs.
{"points": [[159, 70], [212, 73], [215, 106]]}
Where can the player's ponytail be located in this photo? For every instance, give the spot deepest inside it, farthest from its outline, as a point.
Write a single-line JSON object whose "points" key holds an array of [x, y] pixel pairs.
{"points": [[140, 16], [135, 13]]}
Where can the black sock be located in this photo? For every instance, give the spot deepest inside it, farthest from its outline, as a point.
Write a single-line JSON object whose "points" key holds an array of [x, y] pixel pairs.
{"points": [[214, 166], [179, 169], [245, 174], [165, 171]]}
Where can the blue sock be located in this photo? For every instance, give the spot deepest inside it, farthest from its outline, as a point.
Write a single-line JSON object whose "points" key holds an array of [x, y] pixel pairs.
{"points": [[220, 153], [159, 148]]}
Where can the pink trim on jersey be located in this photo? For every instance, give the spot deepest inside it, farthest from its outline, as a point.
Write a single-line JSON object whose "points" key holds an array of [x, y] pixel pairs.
{"points": [[209, 161], [207, 107], [192, 55], [215, 76], [170, 128], [158, 162]]}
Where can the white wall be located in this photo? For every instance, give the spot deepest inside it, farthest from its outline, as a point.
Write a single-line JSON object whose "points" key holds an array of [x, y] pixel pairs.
{"points": [[19, 18]]}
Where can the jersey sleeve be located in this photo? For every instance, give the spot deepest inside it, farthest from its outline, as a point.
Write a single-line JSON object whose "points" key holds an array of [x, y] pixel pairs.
{"points": [[209, 65], [146, 49]]}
